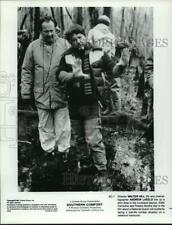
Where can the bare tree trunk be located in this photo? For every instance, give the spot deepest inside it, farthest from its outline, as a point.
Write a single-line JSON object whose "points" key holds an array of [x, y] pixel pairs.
{"points": [[32, 23], [134, 22], [23, 21], [94, 14], [36, 23], [107, 11], [86, 21], [122, 22], [78, 18], [61, 18], [53, 15]]}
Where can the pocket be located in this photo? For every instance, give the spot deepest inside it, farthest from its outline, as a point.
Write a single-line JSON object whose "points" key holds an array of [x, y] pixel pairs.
{"points": [[59, 91], [38, 82]]}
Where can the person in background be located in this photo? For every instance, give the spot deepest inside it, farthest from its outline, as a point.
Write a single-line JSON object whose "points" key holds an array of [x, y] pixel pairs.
{"points": [[23, 40], [38, 81], [81, 70], [101, 36]]}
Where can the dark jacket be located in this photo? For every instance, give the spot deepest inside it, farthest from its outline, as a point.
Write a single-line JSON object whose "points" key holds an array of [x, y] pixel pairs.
{"points": [[94, 63]]}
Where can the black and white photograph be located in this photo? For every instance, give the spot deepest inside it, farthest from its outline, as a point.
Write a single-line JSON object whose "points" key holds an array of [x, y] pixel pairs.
{"points": [[85, 112], [85, 99]]}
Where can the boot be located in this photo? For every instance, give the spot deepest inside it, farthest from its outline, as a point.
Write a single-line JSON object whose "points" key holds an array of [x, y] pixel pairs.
{"points": [[63, 155]]}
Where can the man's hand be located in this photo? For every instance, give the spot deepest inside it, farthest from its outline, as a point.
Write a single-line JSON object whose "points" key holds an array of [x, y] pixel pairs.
{"points": [[77, 69]]}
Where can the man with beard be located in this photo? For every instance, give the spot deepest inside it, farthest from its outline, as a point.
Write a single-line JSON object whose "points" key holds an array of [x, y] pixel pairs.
{"points": [[39, 70], [81, 70]]}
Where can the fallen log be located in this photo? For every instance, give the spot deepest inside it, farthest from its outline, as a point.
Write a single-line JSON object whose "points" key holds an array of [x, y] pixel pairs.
{"points": [[28, 113], [125, 119], [118, 118]]}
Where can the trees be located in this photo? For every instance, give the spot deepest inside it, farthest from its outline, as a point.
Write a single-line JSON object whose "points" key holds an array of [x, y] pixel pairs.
{"points": [[126, 22]]}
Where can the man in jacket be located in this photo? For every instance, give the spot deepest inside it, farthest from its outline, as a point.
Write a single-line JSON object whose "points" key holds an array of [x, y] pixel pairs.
{"points": [[81, 70], [39, 69]]}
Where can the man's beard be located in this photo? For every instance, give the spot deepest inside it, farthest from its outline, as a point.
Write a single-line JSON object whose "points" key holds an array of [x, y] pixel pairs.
{"points": [[49, 40], [80, 49]]}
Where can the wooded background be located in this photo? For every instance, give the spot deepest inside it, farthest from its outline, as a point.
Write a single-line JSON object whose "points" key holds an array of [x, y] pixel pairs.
{"points": [[126, 22], [127, 134]]}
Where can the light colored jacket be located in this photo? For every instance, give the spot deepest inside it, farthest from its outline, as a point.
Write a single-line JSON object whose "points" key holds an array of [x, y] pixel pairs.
{"points": [[39, 69], [101, 36]]}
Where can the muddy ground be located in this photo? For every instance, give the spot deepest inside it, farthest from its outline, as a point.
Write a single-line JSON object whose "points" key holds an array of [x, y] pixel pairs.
{"points": [[130, 155]]}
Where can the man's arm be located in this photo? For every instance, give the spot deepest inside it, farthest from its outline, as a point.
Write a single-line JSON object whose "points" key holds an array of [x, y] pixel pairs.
{"points": [[115, 69], [64, 73], [123, 62], [27, 74], [70, 73]]}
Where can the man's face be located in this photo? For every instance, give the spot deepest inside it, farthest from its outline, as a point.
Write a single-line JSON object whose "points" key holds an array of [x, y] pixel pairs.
{"points": [[48, 32], [78, 41]]}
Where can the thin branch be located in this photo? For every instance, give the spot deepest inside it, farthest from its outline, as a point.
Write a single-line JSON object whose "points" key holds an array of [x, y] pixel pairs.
{"points": [[68, 13], [23, 21], [52, 12]]}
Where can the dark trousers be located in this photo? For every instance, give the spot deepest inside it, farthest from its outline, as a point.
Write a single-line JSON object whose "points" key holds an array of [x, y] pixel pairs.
{"points": [[86, 128]]}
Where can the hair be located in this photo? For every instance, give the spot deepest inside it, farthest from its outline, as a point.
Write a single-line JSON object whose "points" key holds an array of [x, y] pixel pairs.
{"points": [[74, 29], [47, 19], [103, 21]]}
